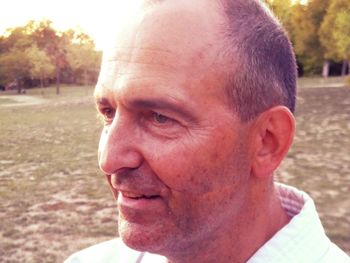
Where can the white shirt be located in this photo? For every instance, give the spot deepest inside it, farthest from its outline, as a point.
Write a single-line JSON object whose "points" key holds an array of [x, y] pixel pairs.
{"points": [[302, 240]]}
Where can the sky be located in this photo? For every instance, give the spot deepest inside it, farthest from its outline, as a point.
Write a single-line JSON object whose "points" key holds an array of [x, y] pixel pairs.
{"points": [[92, 16]]}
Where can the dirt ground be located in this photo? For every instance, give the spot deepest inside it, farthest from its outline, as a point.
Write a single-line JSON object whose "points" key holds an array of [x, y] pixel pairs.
{"points": [[54, 200]]}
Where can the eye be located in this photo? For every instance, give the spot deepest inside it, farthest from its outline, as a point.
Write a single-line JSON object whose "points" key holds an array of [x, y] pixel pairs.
{"points": [[159, 118], [108, 114], [160, 125]]}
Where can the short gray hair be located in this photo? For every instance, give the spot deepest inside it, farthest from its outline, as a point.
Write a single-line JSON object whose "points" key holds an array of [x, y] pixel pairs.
{"points": [[264, 70]]}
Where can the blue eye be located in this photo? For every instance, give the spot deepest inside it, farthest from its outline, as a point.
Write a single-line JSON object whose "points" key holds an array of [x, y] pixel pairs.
{"points": [[159, 118]]}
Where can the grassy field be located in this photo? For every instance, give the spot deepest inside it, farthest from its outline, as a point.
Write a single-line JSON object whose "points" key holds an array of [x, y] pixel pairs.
{"points": [[54, 200]]}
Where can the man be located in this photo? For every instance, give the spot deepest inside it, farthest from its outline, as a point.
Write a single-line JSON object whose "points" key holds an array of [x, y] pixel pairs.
{"points": [[197, 100]]}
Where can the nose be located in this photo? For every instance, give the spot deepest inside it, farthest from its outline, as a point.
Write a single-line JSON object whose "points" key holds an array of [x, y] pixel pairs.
{"points": [[118, 147]]}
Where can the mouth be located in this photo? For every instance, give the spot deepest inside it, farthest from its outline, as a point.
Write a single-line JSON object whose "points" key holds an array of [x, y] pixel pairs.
{"points": [[140, 207], [138, 196]]}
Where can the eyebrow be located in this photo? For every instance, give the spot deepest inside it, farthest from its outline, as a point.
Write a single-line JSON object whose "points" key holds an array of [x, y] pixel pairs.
{"points": [[101, 101], [156, 104], [160, 104]]}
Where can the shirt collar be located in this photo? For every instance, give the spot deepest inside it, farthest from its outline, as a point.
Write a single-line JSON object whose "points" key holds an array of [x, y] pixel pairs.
{"points": [[302, 239]]}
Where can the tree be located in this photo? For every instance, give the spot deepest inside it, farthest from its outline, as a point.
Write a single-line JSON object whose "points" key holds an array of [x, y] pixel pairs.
{"points": [[16, 37], [82, 57], [335, 31], [282, 9], [14, 65], [31, 52], [326, 33], [342, 36], [54, 44], [41, 65], [305, 23]]}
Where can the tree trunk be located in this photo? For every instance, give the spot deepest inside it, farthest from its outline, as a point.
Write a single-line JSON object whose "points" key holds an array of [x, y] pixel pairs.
{"points": [[41, 81], [344, 67], [325, 71], [58, 80], [19, 87], [85, 78]]}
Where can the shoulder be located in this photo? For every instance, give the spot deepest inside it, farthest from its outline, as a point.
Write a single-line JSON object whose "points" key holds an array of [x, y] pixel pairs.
{"points": [[106, 252]]}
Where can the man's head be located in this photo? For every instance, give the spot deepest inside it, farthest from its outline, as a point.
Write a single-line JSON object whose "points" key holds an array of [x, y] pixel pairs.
{"points": [[186, 163], [263, 68]]}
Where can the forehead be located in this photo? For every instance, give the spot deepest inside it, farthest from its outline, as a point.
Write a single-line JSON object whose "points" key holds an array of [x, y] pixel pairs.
{"points": [[172, 20], [162, 42]]}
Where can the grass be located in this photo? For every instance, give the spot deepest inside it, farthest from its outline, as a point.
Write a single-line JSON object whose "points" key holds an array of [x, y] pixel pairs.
{"points": [[49, 177], [6, 101], [50, 92], [55, 200], [46, 143], [322, 82]]}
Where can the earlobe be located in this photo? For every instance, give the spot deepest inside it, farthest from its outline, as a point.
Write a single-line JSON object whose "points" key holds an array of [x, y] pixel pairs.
{"points": [[272, 137]]}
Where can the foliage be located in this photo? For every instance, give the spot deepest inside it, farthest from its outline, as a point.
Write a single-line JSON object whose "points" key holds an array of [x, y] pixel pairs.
{"points": [[319, 30], [282, 9], [41, 66], [335, 30], [54, 44], [37, 51], [82, 58], [305, 23], [14, 65]]}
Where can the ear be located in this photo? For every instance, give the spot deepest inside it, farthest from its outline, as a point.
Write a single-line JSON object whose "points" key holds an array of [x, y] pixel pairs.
{"points": [[272, 136]]}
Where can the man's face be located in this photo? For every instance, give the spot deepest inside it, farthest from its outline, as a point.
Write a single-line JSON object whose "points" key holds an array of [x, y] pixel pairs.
{"points": [[175, 155]]}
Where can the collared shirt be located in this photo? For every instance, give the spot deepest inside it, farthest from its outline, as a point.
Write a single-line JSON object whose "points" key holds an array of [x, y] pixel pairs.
{"points": [[302, 240]]}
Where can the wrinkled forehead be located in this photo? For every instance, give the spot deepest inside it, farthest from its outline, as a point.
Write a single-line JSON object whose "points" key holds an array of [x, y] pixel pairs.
{"points": [[163, 40], [173, 27]]}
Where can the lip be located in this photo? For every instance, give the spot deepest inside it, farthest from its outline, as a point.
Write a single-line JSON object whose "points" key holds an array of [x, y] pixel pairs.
{"points": [[139, 201], [141, 210], [133, 195]]}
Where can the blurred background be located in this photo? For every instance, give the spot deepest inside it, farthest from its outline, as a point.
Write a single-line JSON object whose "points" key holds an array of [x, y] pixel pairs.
{"points": [[54, 200]]}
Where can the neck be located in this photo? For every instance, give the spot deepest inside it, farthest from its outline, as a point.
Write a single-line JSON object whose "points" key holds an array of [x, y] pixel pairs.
{"points": [[261, 217]]}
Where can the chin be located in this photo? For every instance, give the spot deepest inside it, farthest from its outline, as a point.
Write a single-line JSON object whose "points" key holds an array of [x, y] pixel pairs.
{"points": [[141, 238]]}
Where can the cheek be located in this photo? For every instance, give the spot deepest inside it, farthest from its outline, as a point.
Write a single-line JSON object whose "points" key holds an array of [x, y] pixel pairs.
{"points": [[198, 168]]}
